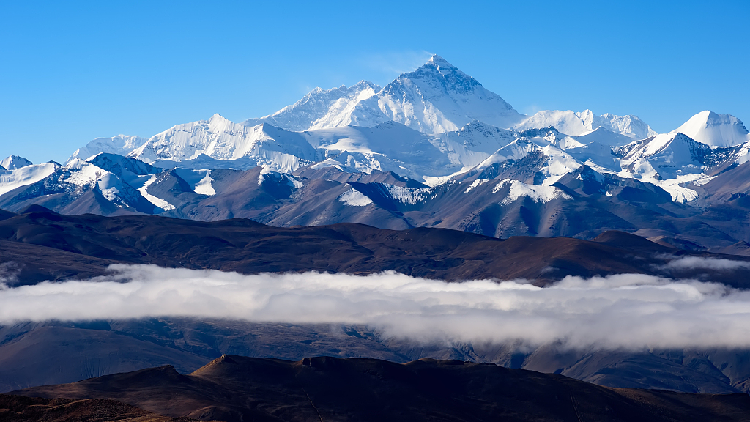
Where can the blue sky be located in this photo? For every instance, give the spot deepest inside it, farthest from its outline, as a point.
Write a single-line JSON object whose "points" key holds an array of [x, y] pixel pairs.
{"points": [[73, 71]]}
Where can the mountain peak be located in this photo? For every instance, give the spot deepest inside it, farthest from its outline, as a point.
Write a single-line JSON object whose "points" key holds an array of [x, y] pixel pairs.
{"points": [[715, 130], [217, 118], [219, 123], [365, 84], [439, 61], [14, 162]]}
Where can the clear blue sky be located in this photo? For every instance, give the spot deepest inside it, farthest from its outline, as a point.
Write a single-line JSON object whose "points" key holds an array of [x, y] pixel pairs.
{"points": [[73, 71]]}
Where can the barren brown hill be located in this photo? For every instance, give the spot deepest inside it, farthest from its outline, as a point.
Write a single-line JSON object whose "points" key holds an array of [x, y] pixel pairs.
{"points": [[41, 245], [35, 409], [235, 388]]}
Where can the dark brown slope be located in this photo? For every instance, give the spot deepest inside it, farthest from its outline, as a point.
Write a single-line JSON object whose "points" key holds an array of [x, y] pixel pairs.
{"points": [[89, 349], [43, 245], [35, 409], [235, 388]]}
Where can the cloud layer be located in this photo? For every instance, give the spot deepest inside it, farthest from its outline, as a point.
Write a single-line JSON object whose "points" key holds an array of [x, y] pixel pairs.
{"points": [[702, 263], [630, 310]]}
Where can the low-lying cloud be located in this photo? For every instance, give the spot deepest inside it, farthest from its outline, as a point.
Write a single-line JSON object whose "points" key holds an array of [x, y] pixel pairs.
{"points": [[703, 263], [630, 310]]}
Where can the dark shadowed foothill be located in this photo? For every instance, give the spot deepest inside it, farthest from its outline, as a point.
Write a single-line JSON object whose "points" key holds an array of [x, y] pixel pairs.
{"points": [[39, 245], [235, 388]]}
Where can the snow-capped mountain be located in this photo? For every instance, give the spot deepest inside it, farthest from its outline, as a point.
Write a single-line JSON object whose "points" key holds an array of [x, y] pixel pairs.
{"points": [[432, 148], [584, 122], [25, 176], [104, 184], [317, 105], [435, 98], [449, 109], [715, 130], [544, 161], [669, 160], [221, 139], [14, 162]]}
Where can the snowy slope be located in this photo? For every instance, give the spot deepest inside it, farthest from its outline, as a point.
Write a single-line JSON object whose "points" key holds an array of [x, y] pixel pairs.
{"points": [[473, 143], [221, 139], [715, 130], [435, 98], [25, 176], [548, 162], [595, 149], [84, 174], [119, 183], [134, 173], [584, 122], [316, 105], [389, 146], [120, 145], [14, 162], [669, 160]]}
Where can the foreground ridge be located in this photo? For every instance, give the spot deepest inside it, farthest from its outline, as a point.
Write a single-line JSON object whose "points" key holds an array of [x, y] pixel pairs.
{"points": [[35, 409], [236, 388]]}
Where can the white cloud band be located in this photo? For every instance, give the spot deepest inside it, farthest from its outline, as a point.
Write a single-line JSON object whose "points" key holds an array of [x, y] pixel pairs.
{"points": [[628, 310]]}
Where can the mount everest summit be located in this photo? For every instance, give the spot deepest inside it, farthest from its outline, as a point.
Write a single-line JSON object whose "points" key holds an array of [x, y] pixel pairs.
{"points": [[432, 148]]}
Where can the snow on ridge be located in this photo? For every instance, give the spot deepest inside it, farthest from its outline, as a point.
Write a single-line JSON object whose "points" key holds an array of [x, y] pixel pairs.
{"points": [[120, 145], [407, 195], [671, 161], [24, 176], [676, 189], [293, 181], [161, 203], [317, 105], [558, 164], [584, 122], [199, 142], [538, 193], [200, 181], [354, 198], [84, 173], [328, 162], [475, 183], [267, 173], [14, 162], [262, 175]]}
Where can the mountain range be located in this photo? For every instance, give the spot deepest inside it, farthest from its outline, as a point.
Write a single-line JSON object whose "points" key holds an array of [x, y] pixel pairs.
{"points": [[431, 175], [432, 148]]}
